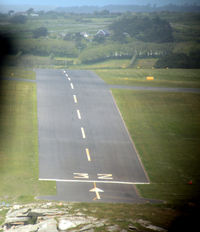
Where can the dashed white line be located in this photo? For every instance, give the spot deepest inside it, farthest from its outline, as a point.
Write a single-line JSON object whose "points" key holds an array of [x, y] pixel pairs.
{"points": [[69, 78], [72, 86], [88, 154], [75, 99], [83, 133], [79, 114]]}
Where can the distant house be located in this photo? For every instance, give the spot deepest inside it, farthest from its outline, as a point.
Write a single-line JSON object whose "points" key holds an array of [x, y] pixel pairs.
{"points": [[102, 33], [34, 15], [84, 34]]}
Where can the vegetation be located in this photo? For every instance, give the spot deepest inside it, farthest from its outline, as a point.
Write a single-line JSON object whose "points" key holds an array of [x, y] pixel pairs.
{"points": [[17, 72], [125, 215], [41, 31], [18, 19], [142, 28], [164, 126], [162, 77], [179, 60], [44, 47], [131, 36], [166, 131], [19, 144]]}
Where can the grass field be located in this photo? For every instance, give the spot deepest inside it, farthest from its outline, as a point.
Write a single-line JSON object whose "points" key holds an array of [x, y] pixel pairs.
{"points": [[19, 144], [108, 64], [18, 73], [162, 77], [165, 128], [145, 63]]}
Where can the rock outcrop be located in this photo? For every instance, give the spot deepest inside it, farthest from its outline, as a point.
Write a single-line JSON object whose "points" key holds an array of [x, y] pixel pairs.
{"points": [[48, 218]]}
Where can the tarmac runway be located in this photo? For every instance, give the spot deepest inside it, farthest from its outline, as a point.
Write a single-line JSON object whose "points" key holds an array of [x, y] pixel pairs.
{"points": [[83, 142]]}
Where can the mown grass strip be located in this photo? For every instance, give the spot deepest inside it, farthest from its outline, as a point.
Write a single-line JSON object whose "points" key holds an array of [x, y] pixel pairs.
{"points": [[19, 143], [166, 130], [15, 72], [188, 78]]}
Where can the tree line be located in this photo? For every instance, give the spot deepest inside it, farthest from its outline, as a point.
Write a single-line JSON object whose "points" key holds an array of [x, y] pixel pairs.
{"points": [[142, 28], [179, 60]]}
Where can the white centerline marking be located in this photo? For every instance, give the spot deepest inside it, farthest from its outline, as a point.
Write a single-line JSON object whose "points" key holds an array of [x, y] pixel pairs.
{"points": [[78, 114], [97, 191], [75, 99], [97, 181], [83, 133], [69, 78], [72, 86], [88, 154]]}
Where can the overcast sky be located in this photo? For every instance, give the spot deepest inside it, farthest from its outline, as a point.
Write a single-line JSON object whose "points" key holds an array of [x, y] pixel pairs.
{"points": [[92, 2]]}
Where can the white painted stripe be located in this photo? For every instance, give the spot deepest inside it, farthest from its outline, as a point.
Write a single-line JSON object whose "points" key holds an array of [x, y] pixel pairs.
{"points": [[81, 175], [64, 71], [72, 86], [105, 176], [75, 99], [69, 78], [97, 181], [78, 114], [83, 133], [88, 154], [66, 75]]}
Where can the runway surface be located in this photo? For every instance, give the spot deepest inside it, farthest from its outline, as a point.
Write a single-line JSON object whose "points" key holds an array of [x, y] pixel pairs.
{"points": [[83, 143]]}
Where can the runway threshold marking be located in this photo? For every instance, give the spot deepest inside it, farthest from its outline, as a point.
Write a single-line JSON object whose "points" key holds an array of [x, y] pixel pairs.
{"points": [[92, 181], [88, 154], [83, 132], [81, 175], [97, 191], [72, 86], [105, 176], [75, 99], [79, 114]]}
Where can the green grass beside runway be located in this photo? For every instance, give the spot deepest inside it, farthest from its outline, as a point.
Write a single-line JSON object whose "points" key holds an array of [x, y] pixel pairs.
{"points": [[19, 144], [16, 72], [165, 128], [185, 78]]}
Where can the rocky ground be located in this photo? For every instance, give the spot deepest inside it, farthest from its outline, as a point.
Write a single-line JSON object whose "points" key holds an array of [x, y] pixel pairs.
{"points": [[58, 217]]}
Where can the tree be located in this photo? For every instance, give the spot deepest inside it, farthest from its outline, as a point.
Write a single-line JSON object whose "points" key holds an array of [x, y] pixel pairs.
{"points": [[99, 39], [143, 28], [41, 31], [18, 19], [176, 60], [30, 11], [11, 12]]}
